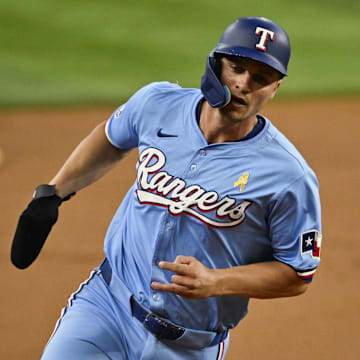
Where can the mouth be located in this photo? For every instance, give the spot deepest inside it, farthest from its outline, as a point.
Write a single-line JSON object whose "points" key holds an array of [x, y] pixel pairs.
{"points": [[238, 100]]}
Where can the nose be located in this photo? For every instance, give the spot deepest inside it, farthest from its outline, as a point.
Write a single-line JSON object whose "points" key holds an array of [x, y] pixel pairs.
{"points": [[243, 82]]}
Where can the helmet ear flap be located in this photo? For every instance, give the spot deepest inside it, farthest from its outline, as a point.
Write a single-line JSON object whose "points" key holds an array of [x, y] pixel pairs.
{"points": [[228, 95], [217, 64], [215, 93]]}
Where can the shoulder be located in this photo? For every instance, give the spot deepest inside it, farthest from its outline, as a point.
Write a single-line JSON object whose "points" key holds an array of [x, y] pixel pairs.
{"points": [[162, 96], [292, 163], [165, 89]]}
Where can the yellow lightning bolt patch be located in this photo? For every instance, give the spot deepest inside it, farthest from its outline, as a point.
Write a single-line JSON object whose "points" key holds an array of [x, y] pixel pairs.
{"points": [[243, 179]]}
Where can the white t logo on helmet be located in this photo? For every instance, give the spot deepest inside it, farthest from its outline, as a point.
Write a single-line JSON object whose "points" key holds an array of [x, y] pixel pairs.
{"points": [[265, 35]]}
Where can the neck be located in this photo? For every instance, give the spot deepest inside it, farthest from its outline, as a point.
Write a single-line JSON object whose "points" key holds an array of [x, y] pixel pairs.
{"points": [[218, 128]]}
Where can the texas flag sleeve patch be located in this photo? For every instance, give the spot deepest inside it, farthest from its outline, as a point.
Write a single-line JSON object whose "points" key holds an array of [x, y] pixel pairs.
{"points": [[310, 244]]}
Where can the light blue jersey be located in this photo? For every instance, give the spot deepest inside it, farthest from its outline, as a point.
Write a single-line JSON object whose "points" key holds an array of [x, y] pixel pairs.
{"points": [[226, 204]]}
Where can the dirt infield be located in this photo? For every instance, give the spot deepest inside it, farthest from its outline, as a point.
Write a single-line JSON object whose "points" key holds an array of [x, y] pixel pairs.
{"points": [[324, 323]]}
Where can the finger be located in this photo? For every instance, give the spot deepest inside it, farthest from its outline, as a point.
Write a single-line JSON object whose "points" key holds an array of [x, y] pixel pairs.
{"points": [[185, 281], [181, 269], [173, 288], [182, 259], [176, 289]]}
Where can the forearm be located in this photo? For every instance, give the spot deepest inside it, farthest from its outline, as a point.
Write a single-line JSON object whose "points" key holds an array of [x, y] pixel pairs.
{"points": [[90, 160], [262, 280], [192, 279]]}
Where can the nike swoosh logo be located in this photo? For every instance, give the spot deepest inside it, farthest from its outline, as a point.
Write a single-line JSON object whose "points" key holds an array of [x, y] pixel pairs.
{"points": [[162, 134]]}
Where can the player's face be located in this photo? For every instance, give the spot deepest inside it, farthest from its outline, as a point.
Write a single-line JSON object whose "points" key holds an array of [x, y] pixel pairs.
{"points": [[252, 84]]}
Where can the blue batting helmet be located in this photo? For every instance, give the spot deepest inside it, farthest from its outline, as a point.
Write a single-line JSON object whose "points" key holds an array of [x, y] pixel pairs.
{"points": [[256, 38]]}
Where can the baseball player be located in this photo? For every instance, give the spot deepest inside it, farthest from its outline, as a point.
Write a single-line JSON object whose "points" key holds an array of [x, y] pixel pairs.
{"points": [[223, 209]]}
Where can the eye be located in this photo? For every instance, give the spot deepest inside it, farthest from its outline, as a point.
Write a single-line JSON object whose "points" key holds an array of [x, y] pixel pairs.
{"points": [[261, 79], [237, 68]]}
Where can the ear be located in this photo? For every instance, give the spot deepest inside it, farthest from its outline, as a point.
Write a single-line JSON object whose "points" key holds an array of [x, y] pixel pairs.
{"points": [[276, 86]]}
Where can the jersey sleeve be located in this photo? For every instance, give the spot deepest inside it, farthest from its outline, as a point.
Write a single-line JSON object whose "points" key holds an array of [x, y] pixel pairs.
{"points": [[122, 128], [120, 131], [295, 226]]}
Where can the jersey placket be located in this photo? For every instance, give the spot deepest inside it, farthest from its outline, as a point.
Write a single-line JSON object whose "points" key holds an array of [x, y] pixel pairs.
{"points": [[167, 233]]}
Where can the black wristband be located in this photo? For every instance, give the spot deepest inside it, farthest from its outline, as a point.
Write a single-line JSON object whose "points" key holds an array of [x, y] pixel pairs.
{"points": [[44, 191]]}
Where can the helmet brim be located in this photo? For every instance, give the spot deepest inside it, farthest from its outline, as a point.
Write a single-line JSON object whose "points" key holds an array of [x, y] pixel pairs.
{"points": [[252, 54]]}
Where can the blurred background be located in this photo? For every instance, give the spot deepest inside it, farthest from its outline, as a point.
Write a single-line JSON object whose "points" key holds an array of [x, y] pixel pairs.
{"points": [[91, 52], [65, 66]]}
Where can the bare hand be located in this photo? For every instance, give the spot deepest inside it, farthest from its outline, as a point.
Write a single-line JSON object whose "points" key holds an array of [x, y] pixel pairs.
{"points": [[192, 279]]}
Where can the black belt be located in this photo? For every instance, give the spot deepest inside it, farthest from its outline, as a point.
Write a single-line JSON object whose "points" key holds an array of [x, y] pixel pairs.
{"points": [[158, 326]]}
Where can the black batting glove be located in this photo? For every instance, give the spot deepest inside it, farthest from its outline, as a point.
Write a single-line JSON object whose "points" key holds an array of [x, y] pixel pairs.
{"points": [[35, 224]]}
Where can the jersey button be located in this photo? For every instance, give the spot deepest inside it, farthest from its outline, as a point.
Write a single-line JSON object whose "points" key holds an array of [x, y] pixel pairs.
{"points": [[202, 152], [193, 167], [156, 297]]}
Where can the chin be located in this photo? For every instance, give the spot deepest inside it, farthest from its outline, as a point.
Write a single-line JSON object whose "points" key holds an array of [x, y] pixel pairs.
{"points": [[234, 115]]}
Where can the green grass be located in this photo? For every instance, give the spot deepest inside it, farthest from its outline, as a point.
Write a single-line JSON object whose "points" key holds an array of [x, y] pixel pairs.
{"points": [[92, 52]]}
